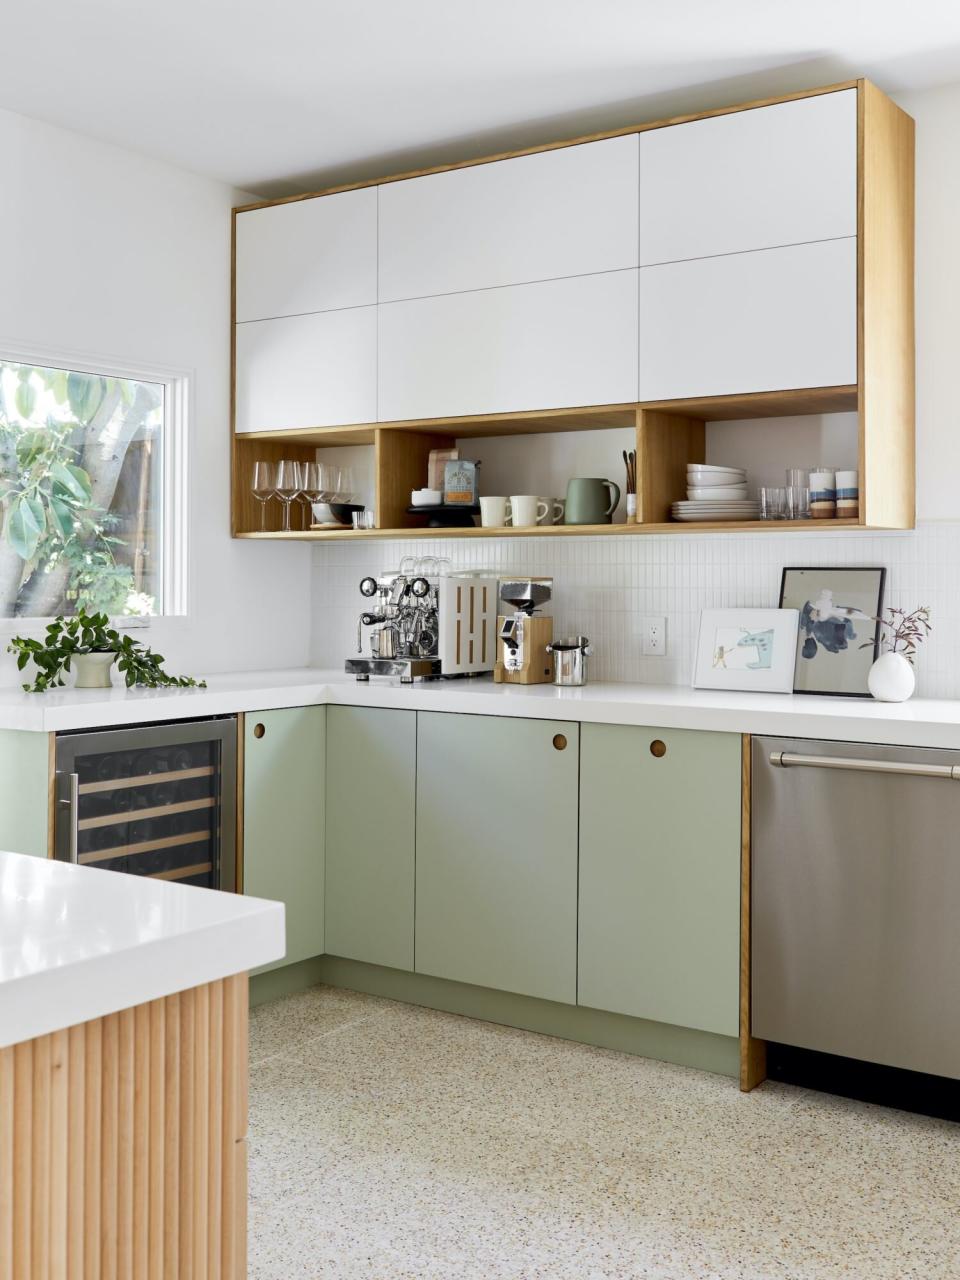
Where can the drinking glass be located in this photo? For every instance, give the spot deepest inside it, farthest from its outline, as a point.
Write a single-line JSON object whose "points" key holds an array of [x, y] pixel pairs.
{"points": [[289, 484], [312, 489], [771, 503], [329, 480], [798, 502], [362, 519], [347, 487], [264, 488]]}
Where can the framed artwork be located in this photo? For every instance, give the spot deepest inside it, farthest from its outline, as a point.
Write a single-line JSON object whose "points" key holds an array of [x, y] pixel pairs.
{"points": [[749, 649], [839, 633]]}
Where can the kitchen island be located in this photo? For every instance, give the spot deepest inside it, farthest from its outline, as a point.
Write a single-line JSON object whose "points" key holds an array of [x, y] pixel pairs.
{"points": [[123, 1072]]}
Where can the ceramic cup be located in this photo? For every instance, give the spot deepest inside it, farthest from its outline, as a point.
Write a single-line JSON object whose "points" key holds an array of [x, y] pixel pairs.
{"points": [[495, 512], [553, 513], [560, 509], [527, 509], [591, 501]]}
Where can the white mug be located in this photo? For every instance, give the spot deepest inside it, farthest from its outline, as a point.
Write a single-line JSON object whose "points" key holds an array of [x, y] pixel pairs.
{"points": [[527, 509], [494, 512], [553, 513]]}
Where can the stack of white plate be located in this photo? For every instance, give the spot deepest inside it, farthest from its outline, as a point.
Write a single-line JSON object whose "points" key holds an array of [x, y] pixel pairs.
{"points": [[716, 493]]}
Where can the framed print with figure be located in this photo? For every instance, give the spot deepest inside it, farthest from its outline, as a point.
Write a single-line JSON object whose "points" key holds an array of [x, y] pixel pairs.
{"points": [[749, 649], [839, 634]]}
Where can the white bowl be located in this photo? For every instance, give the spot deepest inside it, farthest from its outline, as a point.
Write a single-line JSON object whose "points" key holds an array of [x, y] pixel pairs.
{"points": [[710, 466], [705, 479], [426, 498], [717, 491]]}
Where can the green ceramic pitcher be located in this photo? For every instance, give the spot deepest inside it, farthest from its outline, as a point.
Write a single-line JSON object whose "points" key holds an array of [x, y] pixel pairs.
{"points": [[591, 501]]}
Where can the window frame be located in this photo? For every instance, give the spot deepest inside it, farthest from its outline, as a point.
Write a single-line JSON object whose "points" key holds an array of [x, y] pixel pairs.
{"points": [[174, 480]]}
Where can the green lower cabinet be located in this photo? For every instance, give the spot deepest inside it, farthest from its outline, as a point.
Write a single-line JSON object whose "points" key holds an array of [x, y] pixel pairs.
{"points": [[496, 887], [371, 829], [659, 933], [24, 791], [283, 820]]}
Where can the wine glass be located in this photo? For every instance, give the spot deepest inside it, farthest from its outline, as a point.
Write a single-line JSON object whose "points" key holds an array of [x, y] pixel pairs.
{"points": [[312, 488], [264, 488], [289, 484], [347, 488]]}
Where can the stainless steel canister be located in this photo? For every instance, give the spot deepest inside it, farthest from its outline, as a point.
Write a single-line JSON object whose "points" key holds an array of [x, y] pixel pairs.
{"points": [[570, 660]]}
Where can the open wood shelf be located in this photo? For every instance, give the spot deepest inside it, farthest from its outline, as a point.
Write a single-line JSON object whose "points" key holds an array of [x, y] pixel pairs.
{"points": [[668, 435], [560, 530]]}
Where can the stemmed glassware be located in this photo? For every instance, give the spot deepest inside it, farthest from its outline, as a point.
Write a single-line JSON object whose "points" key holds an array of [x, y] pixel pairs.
{"points": [[311, 475], [289, 485], [264, 488]]}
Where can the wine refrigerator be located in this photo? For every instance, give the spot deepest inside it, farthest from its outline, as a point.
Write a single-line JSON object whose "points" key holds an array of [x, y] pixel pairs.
{"points": [[155, 800]]}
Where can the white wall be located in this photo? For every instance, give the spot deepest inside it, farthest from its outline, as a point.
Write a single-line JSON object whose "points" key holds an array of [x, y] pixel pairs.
{"points": [[106, 253], [605, 585]]}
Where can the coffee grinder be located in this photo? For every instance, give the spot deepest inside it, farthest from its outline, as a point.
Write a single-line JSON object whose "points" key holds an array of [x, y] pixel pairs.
{"points": [[523, 636]]}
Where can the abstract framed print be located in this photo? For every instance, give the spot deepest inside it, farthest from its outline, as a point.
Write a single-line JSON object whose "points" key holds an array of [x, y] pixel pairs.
{"points": [[839, 634]]}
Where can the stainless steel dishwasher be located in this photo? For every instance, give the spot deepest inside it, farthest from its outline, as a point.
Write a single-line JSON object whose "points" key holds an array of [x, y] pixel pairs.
{"points": [[856, 901]]}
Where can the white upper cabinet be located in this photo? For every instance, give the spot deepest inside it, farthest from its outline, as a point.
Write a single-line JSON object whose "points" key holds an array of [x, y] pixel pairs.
{"points": [[315, 370], [307, 255], [767, 321], [777, 175], [567, 212], [553, 344]]}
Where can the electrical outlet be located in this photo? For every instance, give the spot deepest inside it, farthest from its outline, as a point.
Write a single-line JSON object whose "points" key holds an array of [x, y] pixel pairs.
{"points": [[654, 633]]}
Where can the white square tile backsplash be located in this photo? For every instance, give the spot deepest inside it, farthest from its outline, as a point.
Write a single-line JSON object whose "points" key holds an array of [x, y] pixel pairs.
{"points": [[605, 586]]}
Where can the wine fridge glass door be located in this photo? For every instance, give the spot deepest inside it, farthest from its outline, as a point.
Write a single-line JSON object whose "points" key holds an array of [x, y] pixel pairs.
{"points": [[156, 800]]}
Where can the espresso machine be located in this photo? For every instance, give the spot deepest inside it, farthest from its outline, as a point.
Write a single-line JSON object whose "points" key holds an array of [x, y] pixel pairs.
{"points": [[424, 621], [524, 636]]}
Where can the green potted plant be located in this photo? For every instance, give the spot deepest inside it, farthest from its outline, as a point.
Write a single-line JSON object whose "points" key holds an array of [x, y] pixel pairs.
{"points": [[88, 644]]}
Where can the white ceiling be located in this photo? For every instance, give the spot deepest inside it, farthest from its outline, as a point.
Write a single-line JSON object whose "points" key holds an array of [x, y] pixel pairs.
{"points": [[279, 96]]}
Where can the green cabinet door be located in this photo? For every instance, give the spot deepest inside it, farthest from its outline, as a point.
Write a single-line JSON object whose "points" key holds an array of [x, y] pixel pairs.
{"points": [[24, 791], [371, 825], [660, 875], [497, 853], [283, 771]]}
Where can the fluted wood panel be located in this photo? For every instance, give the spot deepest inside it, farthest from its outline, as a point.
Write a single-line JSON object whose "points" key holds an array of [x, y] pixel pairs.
{"points": [[123, 1144]]}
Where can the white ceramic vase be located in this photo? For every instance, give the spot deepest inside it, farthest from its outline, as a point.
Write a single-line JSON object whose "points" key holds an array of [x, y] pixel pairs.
{"points": [[93, 670], [891, 678]]}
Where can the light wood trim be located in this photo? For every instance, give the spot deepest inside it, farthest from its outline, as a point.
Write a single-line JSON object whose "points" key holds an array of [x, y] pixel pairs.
{"points": [[140, 815], [885, 311], [565, 531], [183, 873], [666, 442], [51, 795], [91, 1121], [146, 779], [553, 146], [763, 404], [239, 825], [402, 459], [753, 1053]]}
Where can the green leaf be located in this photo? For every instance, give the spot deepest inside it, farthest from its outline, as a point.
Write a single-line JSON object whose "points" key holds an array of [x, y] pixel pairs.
{"points": [[73, 479], [25, 397], [61, 517], [25, 526]]}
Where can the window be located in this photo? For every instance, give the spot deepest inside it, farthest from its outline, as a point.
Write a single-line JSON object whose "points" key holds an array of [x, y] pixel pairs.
{"points": [[82, 491]]}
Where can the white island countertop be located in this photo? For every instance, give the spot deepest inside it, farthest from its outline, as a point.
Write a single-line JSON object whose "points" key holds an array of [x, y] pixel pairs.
{"points": [[921, 722], [77, 943]]}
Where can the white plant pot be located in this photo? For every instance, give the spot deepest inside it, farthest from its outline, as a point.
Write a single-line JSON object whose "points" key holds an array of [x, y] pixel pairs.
{"points": [[93, 670], [891, 678]]}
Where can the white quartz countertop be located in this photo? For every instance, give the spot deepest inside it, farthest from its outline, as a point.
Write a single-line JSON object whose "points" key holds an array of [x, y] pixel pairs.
{"points": [[77, 943], [922, 722]]}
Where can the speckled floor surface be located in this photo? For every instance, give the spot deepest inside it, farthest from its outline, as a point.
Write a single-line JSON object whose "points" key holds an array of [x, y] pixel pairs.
{"points": [[389, 1142]]}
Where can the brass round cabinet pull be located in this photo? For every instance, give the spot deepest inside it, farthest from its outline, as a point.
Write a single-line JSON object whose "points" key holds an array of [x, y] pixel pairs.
{"points": [[259, 730], [658, 748], [560, 741]]}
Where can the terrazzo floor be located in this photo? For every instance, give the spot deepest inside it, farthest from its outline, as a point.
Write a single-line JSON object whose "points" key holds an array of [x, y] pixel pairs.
{"points": [[389, 1142]]}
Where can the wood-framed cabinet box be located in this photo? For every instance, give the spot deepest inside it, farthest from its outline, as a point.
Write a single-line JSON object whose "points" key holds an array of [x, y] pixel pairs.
{"points": [[590, 284]]}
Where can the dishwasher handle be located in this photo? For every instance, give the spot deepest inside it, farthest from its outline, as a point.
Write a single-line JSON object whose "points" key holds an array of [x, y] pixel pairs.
{"points": [[790, 760]]}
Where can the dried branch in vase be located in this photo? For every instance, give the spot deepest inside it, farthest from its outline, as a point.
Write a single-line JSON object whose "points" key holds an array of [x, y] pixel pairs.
{"points": [[903, 632]]}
